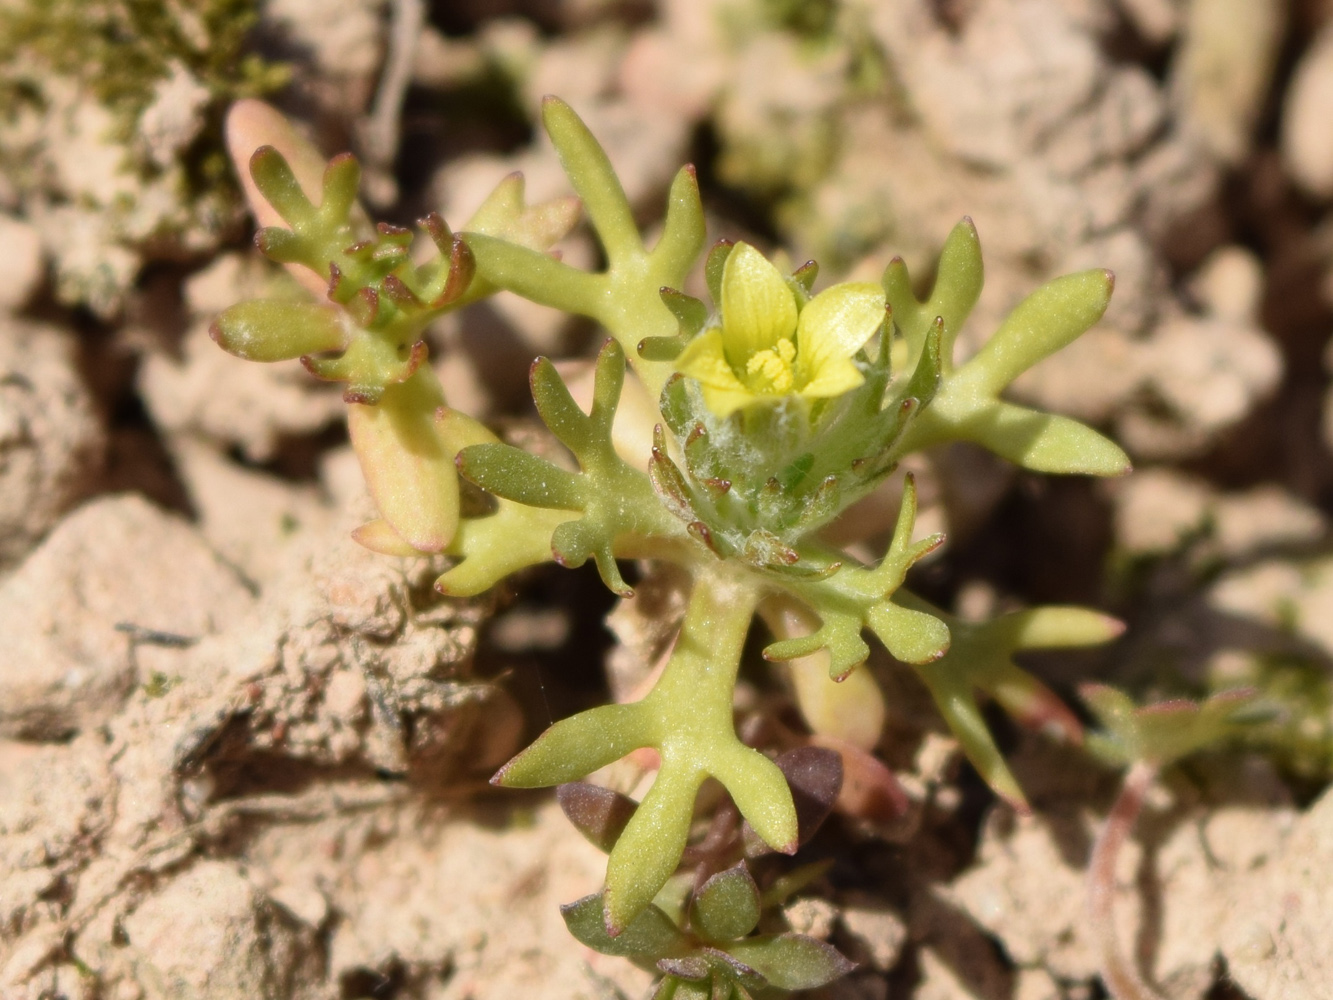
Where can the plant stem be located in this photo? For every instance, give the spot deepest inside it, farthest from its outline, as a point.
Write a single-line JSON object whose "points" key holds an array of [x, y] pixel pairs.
{"points": [[1118, 973]]}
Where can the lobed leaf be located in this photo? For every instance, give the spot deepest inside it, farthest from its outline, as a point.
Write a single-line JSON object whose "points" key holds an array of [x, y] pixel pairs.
{"points": [[520, 476]]}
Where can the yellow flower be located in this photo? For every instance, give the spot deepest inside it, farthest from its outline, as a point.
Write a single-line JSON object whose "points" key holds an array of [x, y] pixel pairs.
{"points": [[768, 346]]}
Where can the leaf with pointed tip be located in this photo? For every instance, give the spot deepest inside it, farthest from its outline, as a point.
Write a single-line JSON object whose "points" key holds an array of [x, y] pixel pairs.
{"points": [[791, 961], [690, 313], [958, 283], [925, 380], [279, 187], [716, 261], [726, 906], [981, 658], [492, 547], [600, 814], [760, 792], [575, 747], [683, 233], [651, 936], [650, 848], [1164, 732], [590, 171], [557, 408], [1045, 442]]}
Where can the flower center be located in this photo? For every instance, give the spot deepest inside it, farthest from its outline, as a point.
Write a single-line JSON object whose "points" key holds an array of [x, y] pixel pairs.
{"points": [[770, 370]]}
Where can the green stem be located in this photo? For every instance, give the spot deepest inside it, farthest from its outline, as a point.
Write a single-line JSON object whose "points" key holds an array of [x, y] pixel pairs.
{"points": [[701, 675]]}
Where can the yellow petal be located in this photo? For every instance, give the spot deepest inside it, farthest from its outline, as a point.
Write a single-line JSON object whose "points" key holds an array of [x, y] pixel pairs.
{"points": [[725, 402], [836, 377], [758, 309], [833, 327], [703, 359]]}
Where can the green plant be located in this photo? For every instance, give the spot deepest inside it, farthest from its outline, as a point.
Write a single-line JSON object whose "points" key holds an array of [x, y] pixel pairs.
{"points": [[699, 930], [1144, 740], [771, 412]]}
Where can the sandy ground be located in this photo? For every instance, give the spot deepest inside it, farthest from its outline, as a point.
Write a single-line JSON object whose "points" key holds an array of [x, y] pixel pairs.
{"points": [[241, 757]]}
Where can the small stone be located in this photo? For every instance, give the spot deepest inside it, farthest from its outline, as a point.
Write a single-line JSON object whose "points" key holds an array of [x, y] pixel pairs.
{"points": [[118, 561], [50, 437], [1158, 509], [1223, 70], [345, 695], [1307, 138], [210, 933], [812, 916], [22, 246], [879, 933]]}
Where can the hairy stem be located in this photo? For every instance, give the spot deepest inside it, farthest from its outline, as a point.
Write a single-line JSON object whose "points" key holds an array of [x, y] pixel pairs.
{"points": [[1118, 972]]}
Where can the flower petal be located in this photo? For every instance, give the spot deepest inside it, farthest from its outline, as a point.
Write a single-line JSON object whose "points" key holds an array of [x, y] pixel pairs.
{"points": [[703, 359], [833, 327], [835, 376], [725, 402], [758, 309]]}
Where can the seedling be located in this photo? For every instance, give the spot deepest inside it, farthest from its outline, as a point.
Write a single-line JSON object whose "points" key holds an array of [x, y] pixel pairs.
{"points": [[1145, 740]]}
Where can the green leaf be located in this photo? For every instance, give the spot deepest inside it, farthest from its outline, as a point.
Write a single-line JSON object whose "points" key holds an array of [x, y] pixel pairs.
{"points": [[981, 658], [535, 275], [1046, 442], [517, 475], [690, 313], [1042, 442], [910, 636], [1050, 318], [792, 961], [1164, 732], [651, 846], [713, 267], [649, 937], [276, 182], [590, 172], [513, 538], [683, 233], [760, 791], [958, 283], [575, 747], [271, 330], [557, 408], [726, 906]]}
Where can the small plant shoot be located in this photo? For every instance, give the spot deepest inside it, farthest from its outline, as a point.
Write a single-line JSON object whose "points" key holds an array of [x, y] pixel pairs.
{"points": [[722, 436]]}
